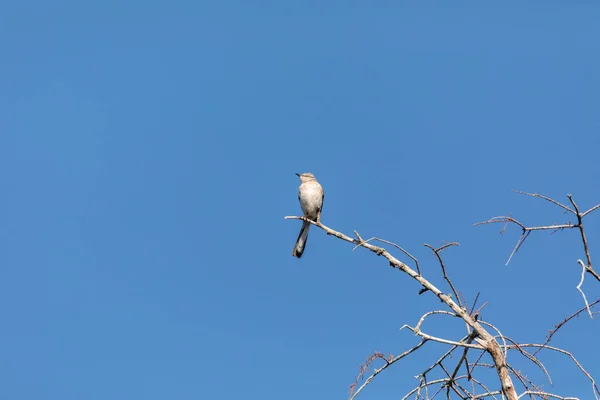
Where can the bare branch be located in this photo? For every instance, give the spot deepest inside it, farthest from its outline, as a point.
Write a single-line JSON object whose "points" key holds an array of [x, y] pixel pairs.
{"points": [[439, 361], [361, 242], [430, 383], [463, 358], [527, 384], [527, 230], [583, 238], [520, 242], [440, 340], [546, 395], [488, 394], [388, 363], [437, 254], [491, 346], [597, 206], [530, 357], [488, 391], [474, 302], [478, 338], [402, 250], [442, 312], [595, 388], [439, 249], [360, 239], [500, 335], [502, 219], [545, 198], [583, 269], [561, 324]]}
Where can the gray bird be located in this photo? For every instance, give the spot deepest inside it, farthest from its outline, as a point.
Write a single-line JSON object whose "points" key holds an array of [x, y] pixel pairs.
{"points": [[311, 195]]}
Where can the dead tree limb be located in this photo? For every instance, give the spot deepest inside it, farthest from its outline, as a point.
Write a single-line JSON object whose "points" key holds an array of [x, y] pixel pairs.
{"points": [[479, 341], [485, 339]]}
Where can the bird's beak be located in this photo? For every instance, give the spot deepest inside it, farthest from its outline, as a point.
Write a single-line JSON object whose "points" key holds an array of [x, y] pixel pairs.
{"points": [[298, 175]]}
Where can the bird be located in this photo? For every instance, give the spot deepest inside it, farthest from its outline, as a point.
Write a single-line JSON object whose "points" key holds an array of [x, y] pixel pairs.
{"points": [[310, 195]]}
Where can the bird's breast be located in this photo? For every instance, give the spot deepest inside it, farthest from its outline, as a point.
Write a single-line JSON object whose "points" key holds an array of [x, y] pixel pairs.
{"points": [[311, 199]]}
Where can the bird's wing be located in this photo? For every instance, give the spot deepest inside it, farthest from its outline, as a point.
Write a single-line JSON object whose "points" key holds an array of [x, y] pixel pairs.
{"points": [[322, 198]]}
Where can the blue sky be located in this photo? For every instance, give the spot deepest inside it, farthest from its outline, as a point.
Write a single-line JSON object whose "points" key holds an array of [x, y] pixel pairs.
{"points": [[148, 152]]}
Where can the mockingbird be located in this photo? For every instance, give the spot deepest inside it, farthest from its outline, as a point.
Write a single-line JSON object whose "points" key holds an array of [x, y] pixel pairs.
{"points": [[310, 194]]}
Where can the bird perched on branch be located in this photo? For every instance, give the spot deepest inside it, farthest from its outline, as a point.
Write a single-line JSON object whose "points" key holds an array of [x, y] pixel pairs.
{"points": [[311, 195]]}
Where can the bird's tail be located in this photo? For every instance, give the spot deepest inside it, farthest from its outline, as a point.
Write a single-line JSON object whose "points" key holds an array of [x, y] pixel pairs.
{"points": [[301, 242]]}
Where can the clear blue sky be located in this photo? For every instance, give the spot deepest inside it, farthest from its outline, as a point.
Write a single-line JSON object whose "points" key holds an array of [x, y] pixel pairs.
{"points": [[147, 158]]}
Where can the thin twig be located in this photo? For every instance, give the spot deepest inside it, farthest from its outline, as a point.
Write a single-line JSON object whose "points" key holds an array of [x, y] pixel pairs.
{"points": [[503, 219], [438, 312], [441, 261], [546, 395], [583, 238], [441, 340], [597, 206], [545, 198], [520, 242], [430, 383], [561, 324], [530, 357], [484, 395], [583, 270], [524, 380], [402, 250], [595, 388], [439, 361], [492, 393], [474, 303], [500, 335], [388, 363], [527, 230], [463, 358]]}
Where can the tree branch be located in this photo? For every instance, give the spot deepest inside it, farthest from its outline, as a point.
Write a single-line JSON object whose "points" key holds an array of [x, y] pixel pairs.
{"points": [[378, 371], [487, 340]]}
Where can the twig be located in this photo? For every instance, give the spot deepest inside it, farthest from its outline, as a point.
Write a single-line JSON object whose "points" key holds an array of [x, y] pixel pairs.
{"points": [[597, 206], [388, 363], [524, 380], [435, 394], [463, 358], [530, 357], [484, 395], [500, 335], [595, 388], [583, 238], [488, 391], [430, 383], [583, 270], [546, 395], [521, 240], [527, 230], [439, 361], [437, 254], [442, 312], [402, 250], [360, 239], [561, 324], [545, 198], [440, 340], [502, 219], [474, 303]]}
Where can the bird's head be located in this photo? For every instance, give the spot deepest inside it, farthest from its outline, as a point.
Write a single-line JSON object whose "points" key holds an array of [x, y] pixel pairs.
{"points": [[306, 177]]}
